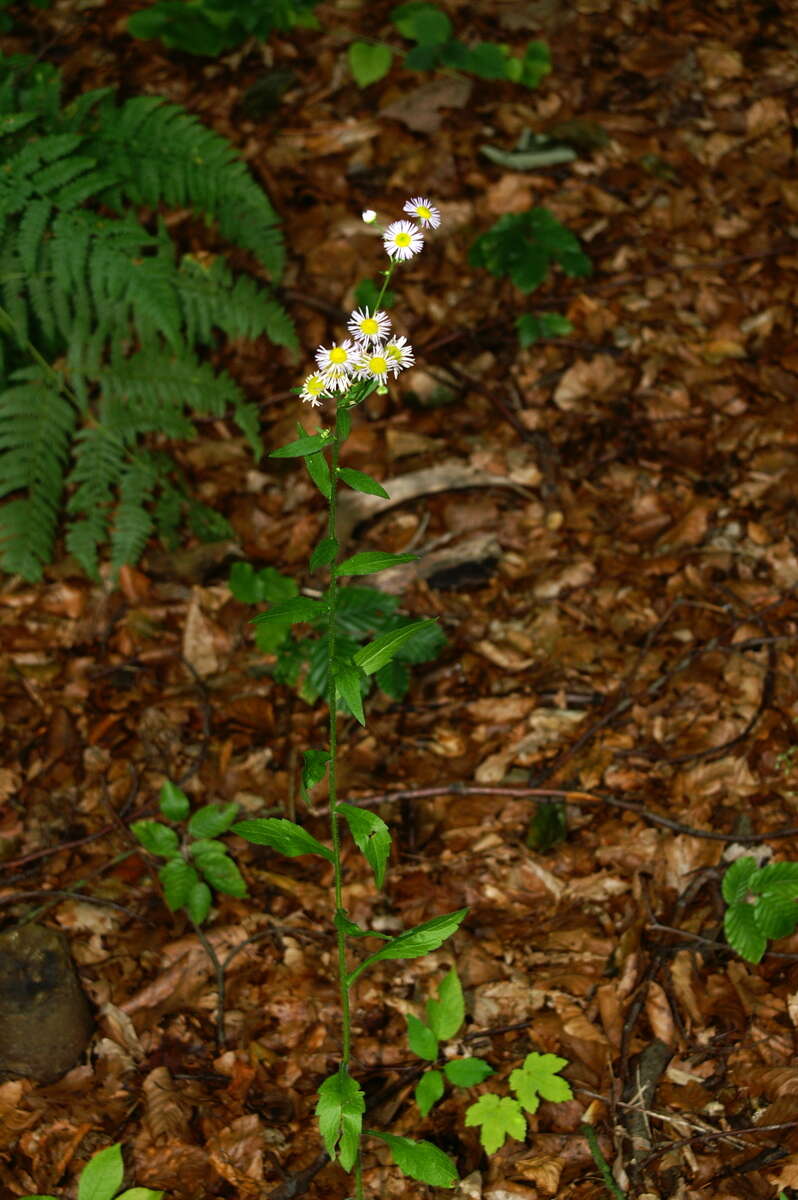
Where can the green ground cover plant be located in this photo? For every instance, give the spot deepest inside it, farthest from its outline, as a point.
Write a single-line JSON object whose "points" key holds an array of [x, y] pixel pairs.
{"points": [[101, 1179], [761, 905], [101, 318], [212, 27]]}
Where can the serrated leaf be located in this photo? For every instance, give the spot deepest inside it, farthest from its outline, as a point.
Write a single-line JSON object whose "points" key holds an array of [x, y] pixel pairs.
{"points": [[467, 1072], [774, 873], [101, 1178], [222, 874], [371, 836], [360, 482], [538, 1078], [324, 553], [385, 647], [198, 903], [157, 838], [339, 1111], [742, 932], [347, 680], [498, 1117], [177, 879], [414, 943], [420, 1160], [287, 837], [369, 62], [736, 880], [428, 1091], [421, 1039], [212, 819], [303, 446], [370, 561], [776, 916], [174, 803], [446, 1014]]}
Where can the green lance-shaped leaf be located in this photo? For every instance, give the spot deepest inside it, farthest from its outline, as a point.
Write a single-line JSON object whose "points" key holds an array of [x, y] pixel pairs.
{"points": [[350, 929], [371, 836], [300, 609], [371, 561], [339, 1111], [737, 879], [174, 803], [177, 879], [213, 819], [198, 904], [420, 1160], [157, 838], [467, 1072], [538, 1078], [385, 647], [497, 1117], [282, 835], [101, 1178], [414, 943], [421, 1039], [428, 1091], [317, 467], [446, 1014], [360, 482], [324, 553], [369, 62], [347, 680], [222, 874], [303, 446], [314, 768]]}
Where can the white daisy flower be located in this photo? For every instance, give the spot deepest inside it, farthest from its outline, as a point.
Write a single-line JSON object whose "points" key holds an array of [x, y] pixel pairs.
{"points": [[369, 216], [424, 212], [399, 354], [336, 364], [403, 239], [369, 327], [313, 389], [373, 364]]}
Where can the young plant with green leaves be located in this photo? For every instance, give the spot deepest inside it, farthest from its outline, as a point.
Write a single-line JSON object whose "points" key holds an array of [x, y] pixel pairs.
{"points": [[101, 319], [497, 1117], [361, 612], [430, 28], [761, 904], [101, 1179], [212, 27], [197, 863], [347, 372]]}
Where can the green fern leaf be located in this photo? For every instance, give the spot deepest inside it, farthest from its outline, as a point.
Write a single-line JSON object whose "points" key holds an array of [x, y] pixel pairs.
{"points": [[133, 523]]}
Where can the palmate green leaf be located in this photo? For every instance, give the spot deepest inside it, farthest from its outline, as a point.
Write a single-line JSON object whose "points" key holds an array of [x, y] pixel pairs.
{"points": [[467, 1072], [737, 879], [498, 1117], [742, 932], [287, 837], [303, 446], [371, 836], [339, 1111], [157, 838], [428, 1091], [446, 1014], [414, 943], [360, 482], [371, 561], [177, 879], [174, 802], [421, 1039], [385, 647], [212, 819], [369, 62], [538, 1078], [420, 1160]]}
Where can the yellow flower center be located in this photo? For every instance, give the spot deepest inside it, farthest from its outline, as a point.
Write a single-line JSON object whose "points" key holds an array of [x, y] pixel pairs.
{"points": [[393, 352], [424, 212], [369, 325], [315, 384], [338, 355], [402, 239], [378, 365]]}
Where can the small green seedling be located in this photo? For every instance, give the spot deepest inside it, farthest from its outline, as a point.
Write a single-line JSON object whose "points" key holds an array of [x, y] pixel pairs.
{"points": [[761, 905], [101, 1179], [196, 862], [525, 245], [496, 1116]]}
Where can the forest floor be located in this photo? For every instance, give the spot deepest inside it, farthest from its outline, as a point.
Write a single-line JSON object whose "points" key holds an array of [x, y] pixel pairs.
{"points": [[619, 601]]}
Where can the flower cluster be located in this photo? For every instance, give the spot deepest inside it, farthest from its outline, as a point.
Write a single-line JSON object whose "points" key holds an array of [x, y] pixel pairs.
{"points": [[372, 352]]}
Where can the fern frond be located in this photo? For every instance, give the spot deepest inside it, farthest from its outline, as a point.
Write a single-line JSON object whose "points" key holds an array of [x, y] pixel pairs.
{"points": [[99, 454], [163, 380], [133, 523], [211, 298]]}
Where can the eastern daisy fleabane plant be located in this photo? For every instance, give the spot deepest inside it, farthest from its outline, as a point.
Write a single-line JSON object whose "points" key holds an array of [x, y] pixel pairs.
{"points": [[424, 212], [403, 239], [367, 327], [337, 363]]}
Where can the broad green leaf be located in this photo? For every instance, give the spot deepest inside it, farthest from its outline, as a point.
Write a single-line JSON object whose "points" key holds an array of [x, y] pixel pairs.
{"points": [[318, 468], [535, 64], [222, 874], [371, 561], [414, 943], [371, 835], [347, 680], [538, 1078], [531, 328], [213, 819], [287, 837], [385, 647], [779, 872], [198, 904], [174, 803], [208, 847], [303, 446], [421, 1039], [422, 22], [488, 60], [369, 62], [101, 1178], [776, 916], [737, 879], [141, 1193], [742, 932], [243, 583], [467, 1072], [498, 1117], [446, 1014], [424, 58], [428, 1091], [177, 879], [339, 1111], [420, 1160], [157, 838], [360, 482], [300, 609], [324, 553]]}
